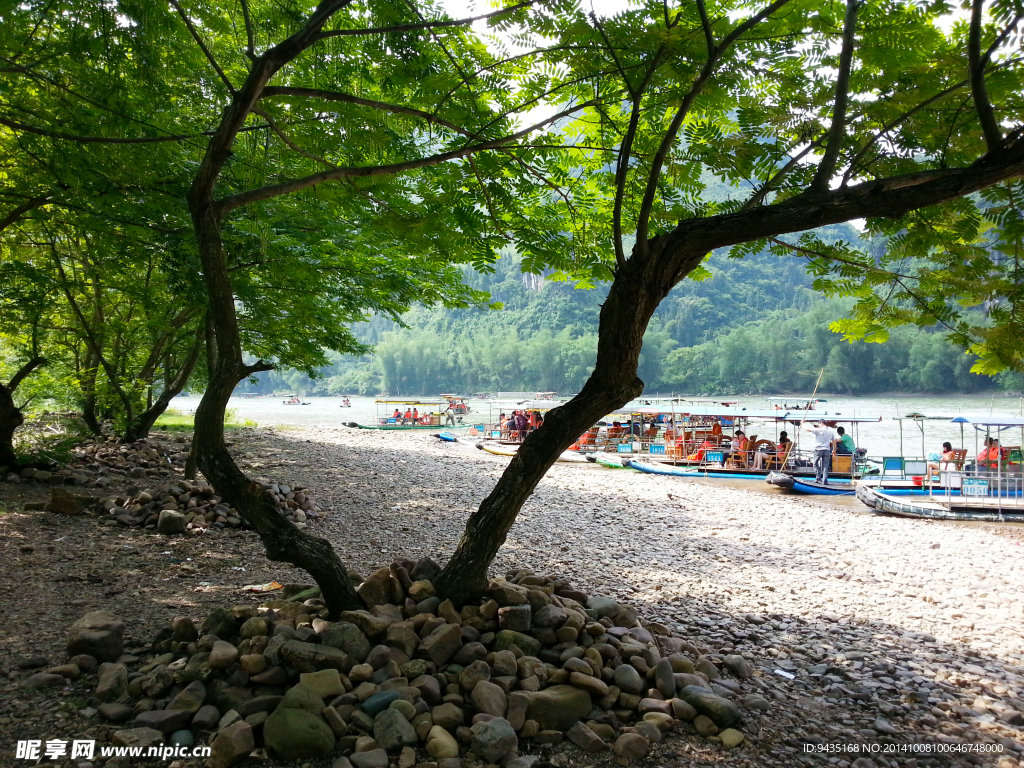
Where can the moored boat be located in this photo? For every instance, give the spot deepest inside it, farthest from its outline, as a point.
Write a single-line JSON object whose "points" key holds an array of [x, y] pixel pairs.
{"points": [[612, 462], [943, 507], [814, 488]]}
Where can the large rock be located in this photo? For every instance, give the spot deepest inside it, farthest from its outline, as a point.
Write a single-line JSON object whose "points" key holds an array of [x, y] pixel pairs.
{"points": [[377, 588], [222, 655], [220, 622], [137, 737], [99, 634], [507, 638], [170, 522], [558, 707], [515, 618], [441, 744], [167, 721], [370, 625], [231, 745], [722, 711], [493, 739], [113, 682], [441, 644], [348, 638], [296, 730], [64, 503], [326, 682], [489, 699], [631, 746], [311, 657], [392, 731], [628, 679]]}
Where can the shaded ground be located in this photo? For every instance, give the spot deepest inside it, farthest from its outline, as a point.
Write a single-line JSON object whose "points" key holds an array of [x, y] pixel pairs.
{"points": [[868, 617]]}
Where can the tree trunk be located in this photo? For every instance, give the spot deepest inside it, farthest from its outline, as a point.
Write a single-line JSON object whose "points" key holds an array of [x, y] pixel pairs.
{"points": [[139, 428], [282, 540], [87, 383], [638, 288], [10, 419], [10, 415]]}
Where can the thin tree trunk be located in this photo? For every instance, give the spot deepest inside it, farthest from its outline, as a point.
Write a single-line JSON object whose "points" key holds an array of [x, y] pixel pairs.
{"points": [[143, 423], [282, 540], [87, 383], [632, 299], [11, 416]]}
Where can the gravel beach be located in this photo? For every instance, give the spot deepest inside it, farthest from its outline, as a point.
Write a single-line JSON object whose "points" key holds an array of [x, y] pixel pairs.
{"points": [[878, 641]]}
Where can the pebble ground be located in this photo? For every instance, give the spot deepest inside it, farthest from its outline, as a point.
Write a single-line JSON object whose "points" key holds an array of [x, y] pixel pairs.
{"points": [[880, 641]]}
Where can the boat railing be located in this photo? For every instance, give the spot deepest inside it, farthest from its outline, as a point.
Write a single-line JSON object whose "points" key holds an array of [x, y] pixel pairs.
{"points": [[994, 484]]}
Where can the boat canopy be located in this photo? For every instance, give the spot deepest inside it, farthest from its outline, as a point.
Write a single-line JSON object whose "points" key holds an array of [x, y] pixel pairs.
{"points": [[526, 405], [982, 422], [796, 399], [742, 413], [406, 401]]}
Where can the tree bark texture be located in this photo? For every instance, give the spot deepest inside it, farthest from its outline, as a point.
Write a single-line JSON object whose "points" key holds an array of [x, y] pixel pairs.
{"points": [[11, 416], [639, 286]]}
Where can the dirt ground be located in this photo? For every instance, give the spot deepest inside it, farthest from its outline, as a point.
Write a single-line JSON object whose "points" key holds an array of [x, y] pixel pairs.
{"points": [[57, 568]]}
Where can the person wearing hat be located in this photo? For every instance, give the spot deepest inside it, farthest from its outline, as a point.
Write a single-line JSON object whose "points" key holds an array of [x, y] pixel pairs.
{"points": [[824, 438]]}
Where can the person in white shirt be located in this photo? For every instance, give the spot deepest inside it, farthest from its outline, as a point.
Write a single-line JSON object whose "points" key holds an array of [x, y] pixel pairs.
{"points": [[824, 438]]}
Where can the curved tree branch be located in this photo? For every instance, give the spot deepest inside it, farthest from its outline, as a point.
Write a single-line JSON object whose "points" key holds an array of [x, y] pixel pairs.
{"points": [[414, 27], [982, 106], [230, 203], [837, 132]]}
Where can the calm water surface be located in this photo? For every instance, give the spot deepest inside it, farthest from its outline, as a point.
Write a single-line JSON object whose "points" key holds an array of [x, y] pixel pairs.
{"points": [[879, 438]]}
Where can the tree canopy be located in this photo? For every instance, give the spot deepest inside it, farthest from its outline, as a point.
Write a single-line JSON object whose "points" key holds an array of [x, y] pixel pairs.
{"points": [[586, 142]]}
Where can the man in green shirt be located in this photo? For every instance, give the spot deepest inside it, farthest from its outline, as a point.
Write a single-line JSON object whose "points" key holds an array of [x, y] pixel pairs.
{"points": [[845, 446]]}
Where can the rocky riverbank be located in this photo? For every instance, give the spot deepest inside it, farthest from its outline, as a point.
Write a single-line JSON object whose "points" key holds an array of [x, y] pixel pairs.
{"points": [[863, 631]]}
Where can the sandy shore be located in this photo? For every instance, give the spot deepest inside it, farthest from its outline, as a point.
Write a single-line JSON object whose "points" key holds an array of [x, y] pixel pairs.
{"points": [[865, 629], [906, 609]]}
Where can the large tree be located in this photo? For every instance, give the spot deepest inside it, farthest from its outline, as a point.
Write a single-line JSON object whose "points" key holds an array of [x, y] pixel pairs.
{"points": [[423, 141]]}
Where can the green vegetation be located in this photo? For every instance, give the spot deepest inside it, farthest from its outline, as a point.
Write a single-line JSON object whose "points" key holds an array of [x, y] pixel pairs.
{"points": [[756, 325], [173, 420]]}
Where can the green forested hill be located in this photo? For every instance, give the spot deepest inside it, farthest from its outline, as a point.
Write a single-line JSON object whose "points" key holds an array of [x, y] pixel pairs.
{"points": [[756, 325]]}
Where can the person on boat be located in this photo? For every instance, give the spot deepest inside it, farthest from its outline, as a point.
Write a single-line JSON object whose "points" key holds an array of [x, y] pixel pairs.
{"points": [[991, 454], [415, 415], [824, 438], [767, 452], [522, 425], [738, 447], [845, 446], [408, 416], [449, 415], [947, 461], [397, 415]]}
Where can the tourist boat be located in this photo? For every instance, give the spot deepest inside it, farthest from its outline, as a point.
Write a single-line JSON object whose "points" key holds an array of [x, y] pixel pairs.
{"points": [[293, 400], [794, 403], [456, 403], [945, 506], [423, 414], [502, 449], [612, 462], [534, 410], [345, 403], [814, 488]]}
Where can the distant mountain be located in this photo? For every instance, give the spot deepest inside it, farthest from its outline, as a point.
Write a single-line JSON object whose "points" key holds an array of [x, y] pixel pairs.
{"points": [[756, 325]]}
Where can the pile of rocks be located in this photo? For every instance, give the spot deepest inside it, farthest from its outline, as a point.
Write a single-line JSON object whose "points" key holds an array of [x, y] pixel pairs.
{"points": [[185, 505], [296, 504], [99, 462], [411, 679], [193, 506]]}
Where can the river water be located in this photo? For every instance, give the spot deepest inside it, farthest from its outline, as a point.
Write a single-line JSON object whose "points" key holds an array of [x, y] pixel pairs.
{"points": [[882, 438]]}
